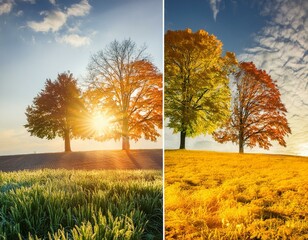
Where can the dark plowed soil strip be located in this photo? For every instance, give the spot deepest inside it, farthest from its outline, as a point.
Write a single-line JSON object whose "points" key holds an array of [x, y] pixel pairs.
{"points": [[114, 159]]}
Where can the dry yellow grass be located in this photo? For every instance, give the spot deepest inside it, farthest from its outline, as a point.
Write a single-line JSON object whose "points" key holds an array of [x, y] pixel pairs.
{"points": [[210, 195]]}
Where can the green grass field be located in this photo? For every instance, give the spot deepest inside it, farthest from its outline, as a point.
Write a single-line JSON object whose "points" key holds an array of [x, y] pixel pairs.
{"points": [[68, 204], [212, 195]]}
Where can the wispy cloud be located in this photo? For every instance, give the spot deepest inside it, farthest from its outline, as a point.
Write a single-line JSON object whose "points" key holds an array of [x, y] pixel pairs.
{"points": [[75, 28], [281, 49], [52, 21], [29, 1], [19, 13], [74, 40], [79, 9], [215, 7], [6, 7]]}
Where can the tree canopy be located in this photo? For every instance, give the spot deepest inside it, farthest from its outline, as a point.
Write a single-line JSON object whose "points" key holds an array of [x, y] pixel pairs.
{"points": [[58, 110], [258, 115], [197, 95], [125, 84]]}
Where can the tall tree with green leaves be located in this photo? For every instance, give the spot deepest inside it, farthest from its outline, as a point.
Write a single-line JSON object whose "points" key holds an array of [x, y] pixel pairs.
{"points": [[197, 96], [58, 110], [258, 114], [127, 86]]}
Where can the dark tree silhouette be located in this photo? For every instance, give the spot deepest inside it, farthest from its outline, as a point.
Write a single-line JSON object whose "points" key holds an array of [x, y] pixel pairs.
{"points": [[58, 110], [258, 116]]}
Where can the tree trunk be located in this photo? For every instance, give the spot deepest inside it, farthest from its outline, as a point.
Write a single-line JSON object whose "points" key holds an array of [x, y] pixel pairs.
{"points": [[241, 148], [67, 141], [241, 142], [183, 137], [125, 136], [125, 143]]}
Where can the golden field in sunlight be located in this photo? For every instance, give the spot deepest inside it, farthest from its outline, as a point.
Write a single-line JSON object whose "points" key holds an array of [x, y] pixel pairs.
{"points": [[211, 195]]}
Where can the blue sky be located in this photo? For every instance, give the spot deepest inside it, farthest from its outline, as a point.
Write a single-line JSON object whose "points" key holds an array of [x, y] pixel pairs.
{"points": [[39, 39], [272, 34], [234, 23]]}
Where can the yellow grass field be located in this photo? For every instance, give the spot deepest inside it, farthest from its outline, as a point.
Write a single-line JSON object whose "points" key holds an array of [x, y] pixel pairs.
{"points": [[210, 195]]}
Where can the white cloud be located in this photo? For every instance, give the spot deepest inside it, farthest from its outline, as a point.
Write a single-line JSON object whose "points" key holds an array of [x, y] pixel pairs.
{"points": [[215, 7], [74, 29], [281, 49], [6, 7], [19, 13], [53, 21], [74, 40], [79, 9], [29, 1]]}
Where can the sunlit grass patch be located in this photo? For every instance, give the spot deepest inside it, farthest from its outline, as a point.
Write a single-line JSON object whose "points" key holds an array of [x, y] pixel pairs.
{"points": [[212, 195], [67, 204]]}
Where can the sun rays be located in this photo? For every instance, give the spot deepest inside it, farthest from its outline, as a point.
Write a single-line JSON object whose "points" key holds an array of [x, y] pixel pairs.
{"points": [[100, 122]]}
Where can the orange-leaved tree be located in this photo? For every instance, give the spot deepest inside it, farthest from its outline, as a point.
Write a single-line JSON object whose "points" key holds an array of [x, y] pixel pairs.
{"points": [[258, 115], [58, 110], [127, 86], [197, 95]]}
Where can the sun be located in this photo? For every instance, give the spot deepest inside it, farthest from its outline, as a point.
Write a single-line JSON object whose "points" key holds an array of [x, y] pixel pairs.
{"points": [[100, 123]]}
